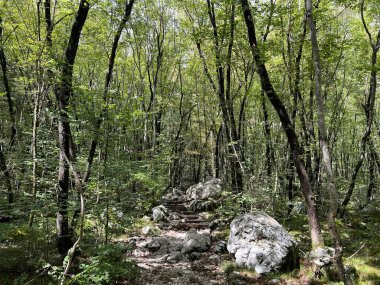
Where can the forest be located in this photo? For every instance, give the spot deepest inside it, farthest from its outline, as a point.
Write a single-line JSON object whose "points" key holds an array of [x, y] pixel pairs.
{"points": [[229, 142]]}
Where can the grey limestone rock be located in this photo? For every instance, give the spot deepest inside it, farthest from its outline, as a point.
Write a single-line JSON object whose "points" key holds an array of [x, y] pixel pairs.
{"points": [[160, 213], [204, 190], [220, 247], [150, 230], [203, 205], [174, 256], [322, 256], [259, 242], [195, 242]]}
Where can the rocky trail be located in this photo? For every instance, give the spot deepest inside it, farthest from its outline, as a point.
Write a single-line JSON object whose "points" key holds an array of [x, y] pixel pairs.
{"points": [[183, 253], [185, 246]]}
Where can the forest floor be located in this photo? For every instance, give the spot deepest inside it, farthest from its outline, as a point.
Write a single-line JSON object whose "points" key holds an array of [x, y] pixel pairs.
{"points": [[207, 268], [156, 270], [360, 235], [25, 251]]}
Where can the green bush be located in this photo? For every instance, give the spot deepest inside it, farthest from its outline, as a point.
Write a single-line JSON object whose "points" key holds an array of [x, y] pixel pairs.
{"points": [[106, 267]]}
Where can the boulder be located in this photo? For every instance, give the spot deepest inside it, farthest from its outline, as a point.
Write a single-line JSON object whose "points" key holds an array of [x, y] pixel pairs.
{"points": [[259, 242], [204, 190], [220, 247], [162, 246], [160, 213], [322, 256], [202, 205], [174, 194], [195, 242], [219, 223], [177, 194], [150, 230], [174, 257]]}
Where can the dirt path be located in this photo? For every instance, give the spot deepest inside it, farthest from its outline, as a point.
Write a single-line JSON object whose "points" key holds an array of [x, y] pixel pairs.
{"points": [[197, 268]]}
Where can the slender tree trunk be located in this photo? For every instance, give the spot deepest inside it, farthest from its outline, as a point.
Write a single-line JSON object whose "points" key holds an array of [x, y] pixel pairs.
{"points": [[36, 110], [111, 63], [48, 21], [323, 140], [3, 162], [63, 94], [8, 180], [268, 141], [368, 108], [223, 89], [267, 86], [371, 185], [8, 94]]}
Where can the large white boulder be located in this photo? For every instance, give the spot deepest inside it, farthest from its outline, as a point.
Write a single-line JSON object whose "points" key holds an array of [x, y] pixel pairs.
{"points": [[259, 242], [204, 190]]}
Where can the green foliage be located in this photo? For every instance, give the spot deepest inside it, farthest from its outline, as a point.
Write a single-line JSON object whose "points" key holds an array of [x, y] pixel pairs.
{"points": [[107, 266], [236, 203]]}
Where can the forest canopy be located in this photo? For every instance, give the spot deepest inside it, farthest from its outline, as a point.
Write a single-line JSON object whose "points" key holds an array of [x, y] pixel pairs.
{"points": [[106, 106]]}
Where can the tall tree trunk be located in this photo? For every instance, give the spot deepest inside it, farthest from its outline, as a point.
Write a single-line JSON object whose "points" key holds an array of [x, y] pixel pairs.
{"points": [[3, 162], [323, 140], [5, 170], [223, 90], [368, 108], [63, 94], [268, 141], [36, 111], [296, 150], [48, 22], [371, 185], [107, 83], [8, 94]]}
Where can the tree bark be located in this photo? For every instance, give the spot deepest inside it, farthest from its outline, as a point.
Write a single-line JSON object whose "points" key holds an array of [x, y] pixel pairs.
{"points": [[7, 175], [107, 83], [296, 150], [63, 94], [323, 140], [3, 162], [369, 111], [8, 94], [223, 90]]}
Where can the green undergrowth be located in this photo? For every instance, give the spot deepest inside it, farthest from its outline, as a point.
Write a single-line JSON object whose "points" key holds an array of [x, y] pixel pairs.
{"points": [[105, 264], [28, 256], [359, 231], [23, 251]]}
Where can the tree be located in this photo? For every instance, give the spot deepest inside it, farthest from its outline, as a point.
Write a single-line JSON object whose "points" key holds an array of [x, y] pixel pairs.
{"points": [[63, 93], [323, 140], [267, 86], [368, 109]]}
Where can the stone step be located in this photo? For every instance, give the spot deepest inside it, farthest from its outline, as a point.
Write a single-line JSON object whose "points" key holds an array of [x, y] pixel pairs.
{"points": [[178, 210], [173, 202], [197, 221], [188, 226], [188, 216]]}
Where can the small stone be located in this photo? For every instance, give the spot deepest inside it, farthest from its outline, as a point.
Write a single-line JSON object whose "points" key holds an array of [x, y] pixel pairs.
{"points": [[195, 242], [214, 257], [148, 230], [160, 213], [174, 256], [220, 247]]}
